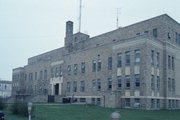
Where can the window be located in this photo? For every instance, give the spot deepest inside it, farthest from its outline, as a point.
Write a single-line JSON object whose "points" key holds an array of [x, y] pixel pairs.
{"points": [[155, 33], [68, 86], [99, 65], [127, 54], [56, 72], [25, 77], [177, 104], [173, 85], [82, 86], [99, 101], [169, 36], [83, 67], [75, 86], [146, 32], [137, 57], [41, 75], [169, 103], [127, 79], [157, 59], [82, 100], [75, 39], [173, 104], [169, 62], [75, 69], [52, 72], [137, 81], [179, 39], [93, 100], [152, 103], [137, 100], [35, 75], [158, 103], [60, 71], [137, 33], [109, 83], [94, 85], [176, 38], [152, 57], [137, 103], [45, 74], [127, 102], [169, 84], [30, 76], [119, 60], [173, 63], [119, 82], [152, 83], [158, 83], [98, 84], [69, 69], [109, 63], [94, 66]]}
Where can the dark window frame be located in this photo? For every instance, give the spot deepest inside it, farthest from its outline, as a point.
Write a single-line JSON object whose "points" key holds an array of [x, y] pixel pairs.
{"points": [[128, 58], [110, 63], [119, 60]]}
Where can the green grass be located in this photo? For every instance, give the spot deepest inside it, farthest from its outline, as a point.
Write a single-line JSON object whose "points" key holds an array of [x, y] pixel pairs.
{"points": [[81, 112]]}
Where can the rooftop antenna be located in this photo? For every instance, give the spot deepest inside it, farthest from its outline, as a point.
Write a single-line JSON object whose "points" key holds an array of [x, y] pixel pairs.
{"points": [[80, 14], [117, 19]]}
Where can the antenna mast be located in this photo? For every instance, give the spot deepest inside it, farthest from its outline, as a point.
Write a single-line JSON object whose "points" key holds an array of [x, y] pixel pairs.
{"points": [[117, 19], [80, 10]]}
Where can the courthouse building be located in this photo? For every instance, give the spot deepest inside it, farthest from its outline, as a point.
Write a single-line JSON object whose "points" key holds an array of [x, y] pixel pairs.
{"points": [[136, 66]]}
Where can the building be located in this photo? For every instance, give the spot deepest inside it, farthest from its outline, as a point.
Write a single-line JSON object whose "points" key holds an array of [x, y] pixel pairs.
{"points": [[5, 89], [131, 67]]}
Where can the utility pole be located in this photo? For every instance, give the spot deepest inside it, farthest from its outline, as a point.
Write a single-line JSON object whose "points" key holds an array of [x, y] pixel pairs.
{"points": [[80, 14]]}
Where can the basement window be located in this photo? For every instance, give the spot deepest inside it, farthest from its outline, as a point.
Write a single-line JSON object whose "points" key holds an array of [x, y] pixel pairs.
{"points": [[146, 32], [138, 34]]}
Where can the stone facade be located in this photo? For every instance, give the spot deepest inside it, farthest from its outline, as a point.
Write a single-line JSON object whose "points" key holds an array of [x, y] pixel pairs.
{"points": [[5, 89], [131, 67]]}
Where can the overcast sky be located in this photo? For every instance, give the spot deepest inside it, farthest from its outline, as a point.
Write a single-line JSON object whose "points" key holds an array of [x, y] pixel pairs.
{"points": [[32, 27]]}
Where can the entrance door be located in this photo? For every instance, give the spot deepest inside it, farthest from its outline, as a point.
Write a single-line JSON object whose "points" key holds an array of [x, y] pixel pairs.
{"points": [[50, 98], [56, 89]]}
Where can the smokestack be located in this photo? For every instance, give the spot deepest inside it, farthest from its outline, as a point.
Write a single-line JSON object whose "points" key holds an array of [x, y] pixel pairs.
{"points": [[69, 35], [69, 29]]}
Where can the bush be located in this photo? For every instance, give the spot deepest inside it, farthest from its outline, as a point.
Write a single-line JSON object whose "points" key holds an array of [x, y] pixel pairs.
{"points": [[14, 107], [23, 109], [2, 104], [20, 108]]}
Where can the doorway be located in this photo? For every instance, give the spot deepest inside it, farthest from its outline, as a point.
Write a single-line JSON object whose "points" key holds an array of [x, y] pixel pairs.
{"points": [[56, 88]]}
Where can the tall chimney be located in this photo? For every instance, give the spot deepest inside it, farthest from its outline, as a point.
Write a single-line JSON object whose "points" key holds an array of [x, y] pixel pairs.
{"points": [[69, 34], [69, 29]]}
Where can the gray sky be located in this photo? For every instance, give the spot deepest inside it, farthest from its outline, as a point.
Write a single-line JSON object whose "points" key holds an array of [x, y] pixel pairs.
{"points": [[32, 27]]}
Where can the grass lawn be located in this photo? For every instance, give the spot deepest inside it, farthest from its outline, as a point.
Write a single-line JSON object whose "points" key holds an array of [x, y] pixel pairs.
{"points": [[81, 112]]}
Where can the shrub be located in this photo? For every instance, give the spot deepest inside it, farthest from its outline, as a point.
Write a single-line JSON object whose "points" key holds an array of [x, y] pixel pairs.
{"points": [[19, 108], [23, 109], [14, 107], [2, 104]]}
